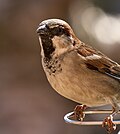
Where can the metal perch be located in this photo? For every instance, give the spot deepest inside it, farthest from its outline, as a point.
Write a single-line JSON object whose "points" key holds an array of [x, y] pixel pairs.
{"points": [[69, 118]]}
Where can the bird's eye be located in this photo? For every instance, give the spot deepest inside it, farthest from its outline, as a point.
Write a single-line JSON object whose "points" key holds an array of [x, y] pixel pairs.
{"points": [[60, 30], [57, 31]]}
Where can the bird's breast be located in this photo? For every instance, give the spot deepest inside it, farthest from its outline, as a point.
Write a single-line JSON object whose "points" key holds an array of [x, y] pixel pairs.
{"points": [[77, 83]]}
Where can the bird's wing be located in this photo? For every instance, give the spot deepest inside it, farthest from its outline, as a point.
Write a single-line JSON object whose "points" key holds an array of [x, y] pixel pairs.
{"points": [[95, 60]]}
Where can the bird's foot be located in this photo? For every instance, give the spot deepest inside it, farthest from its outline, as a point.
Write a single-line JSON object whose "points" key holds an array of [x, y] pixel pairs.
{"points": [[78, 112], [108, 124]]}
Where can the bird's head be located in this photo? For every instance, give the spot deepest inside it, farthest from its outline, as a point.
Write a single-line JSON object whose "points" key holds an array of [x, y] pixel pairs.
{"points": [[56, 38]]}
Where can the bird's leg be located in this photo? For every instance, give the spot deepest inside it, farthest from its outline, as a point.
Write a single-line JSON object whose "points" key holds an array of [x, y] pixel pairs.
{"points": [[108, 121], [108, 124], [78, 112]]}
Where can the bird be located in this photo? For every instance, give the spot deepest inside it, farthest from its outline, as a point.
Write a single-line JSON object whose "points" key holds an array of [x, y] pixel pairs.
{"points": [[78, 71]]}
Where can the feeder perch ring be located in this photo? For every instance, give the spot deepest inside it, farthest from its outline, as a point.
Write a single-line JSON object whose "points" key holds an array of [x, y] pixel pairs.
{"points": [[69, 118]]}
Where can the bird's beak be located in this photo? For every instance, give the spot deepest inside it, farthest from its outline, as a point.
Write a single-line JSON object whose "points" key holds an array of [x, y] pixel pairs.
{"points": [[41, 29]]}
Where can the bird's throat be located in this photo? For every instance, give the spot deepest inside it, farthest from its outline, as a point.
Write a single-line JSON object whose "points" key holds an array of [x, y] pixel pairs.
{"points": [[47, 46]]}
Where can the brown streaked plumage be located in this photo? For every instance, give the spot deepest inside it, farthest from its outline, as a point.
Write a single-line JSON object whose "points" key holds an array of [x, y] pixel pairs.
{"points": [[76, 70]]}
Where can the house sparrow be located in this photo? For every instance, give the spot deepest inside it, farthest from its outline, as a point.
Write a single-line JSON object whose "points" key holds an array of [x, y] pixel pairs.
{"points": [[76, 70]]}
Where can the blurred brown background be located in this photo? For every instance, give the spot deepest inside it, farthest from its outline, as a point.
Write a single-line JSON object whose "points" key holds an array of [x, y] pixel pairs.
{"points": [[28, 105]]}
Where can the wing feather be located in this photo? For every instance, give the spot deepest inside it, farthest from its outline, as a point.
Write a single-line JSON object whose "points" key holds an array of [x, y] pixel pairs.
{"points": [[95, 60]]}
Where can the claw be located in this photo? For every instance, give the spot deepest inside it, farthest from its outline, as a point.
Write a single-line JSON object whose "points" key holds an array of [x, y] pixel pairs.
{"points": [[78, 112], [108, 124]]}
